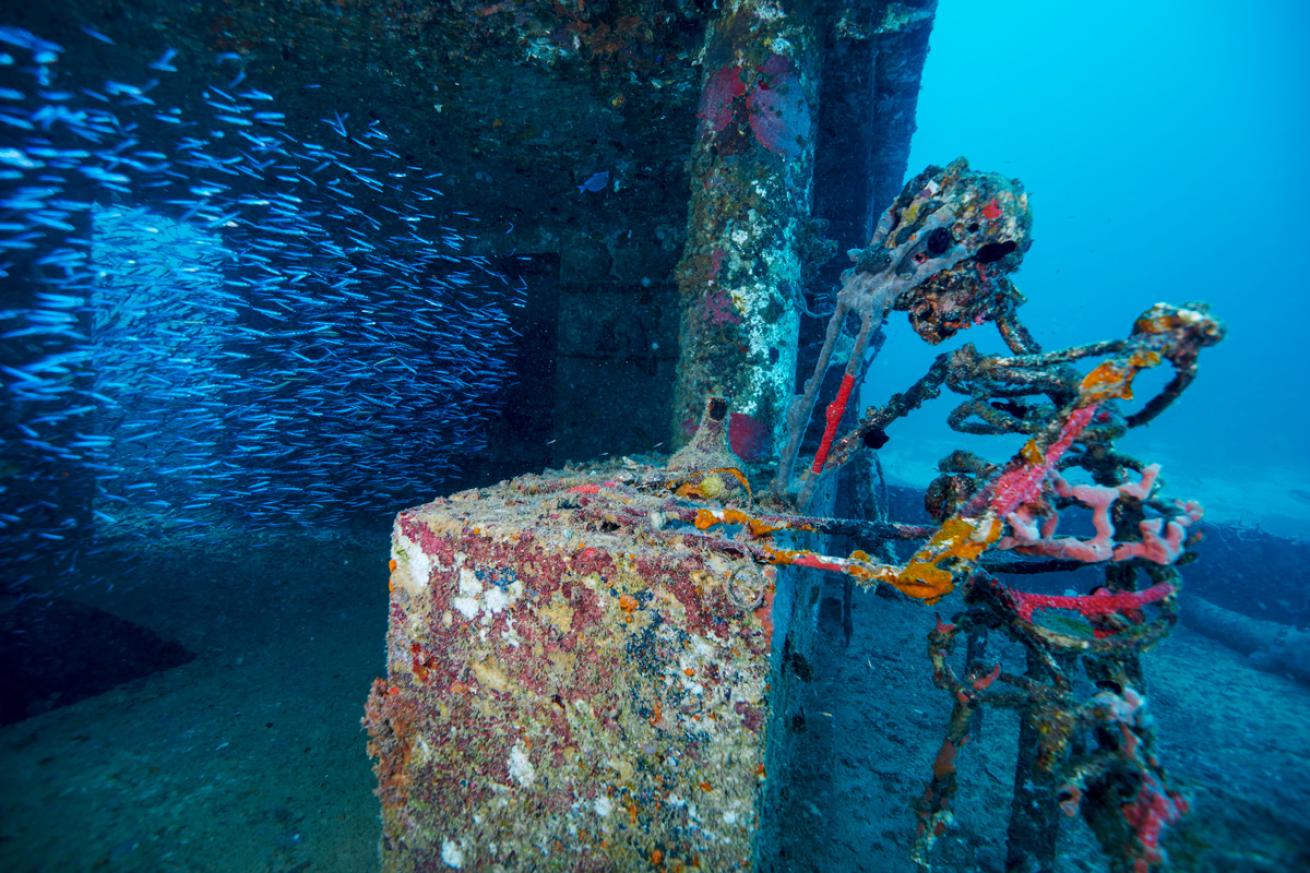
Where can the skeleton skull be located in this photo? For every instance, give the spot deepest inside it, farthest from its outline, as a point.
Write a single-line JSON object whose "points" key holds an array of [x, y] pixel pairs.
{"points": [[951, 238]]}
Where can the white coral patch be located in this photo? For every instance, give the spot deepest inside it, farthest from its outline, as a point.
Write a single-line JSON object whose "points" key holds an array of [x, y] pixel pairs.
{"points": [[470, 587], [495, 599], [520, 768], [469, 583], [468, 606], [511, 634], [452, 854], [415, 567]]}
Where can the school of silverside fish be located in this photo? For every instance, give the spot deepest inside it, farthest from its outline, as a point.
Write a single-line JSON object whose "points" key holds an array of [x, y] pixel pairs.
{"points": [[209, 320]]}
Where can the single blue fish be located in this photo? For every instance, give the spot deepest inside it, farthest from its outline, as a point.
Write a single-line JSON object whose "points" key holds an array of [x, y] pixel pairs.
{"points": [[165, 62], [97, 35]]}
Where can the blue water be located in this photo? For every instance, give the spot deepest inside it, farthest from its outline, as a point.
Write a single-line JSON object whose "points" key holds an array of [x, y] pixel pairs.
{"points": [[1163, 148]]}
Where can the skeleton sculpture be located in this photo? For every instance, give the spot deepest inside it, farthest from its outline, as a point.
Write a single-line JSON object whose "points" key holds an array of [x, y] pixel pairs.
{"points": [[942, 253]]}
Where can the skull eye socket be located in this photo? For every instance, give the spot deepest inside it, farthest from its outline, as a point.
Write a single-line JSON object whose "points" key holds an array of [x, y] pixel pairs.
{"points": [[939, 241], [994, 251]]}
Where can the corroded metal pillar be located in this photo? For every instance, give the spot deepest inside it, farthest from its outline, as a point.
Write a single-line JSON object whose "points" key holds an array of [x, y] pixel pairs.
{"points": [[752, 168]]}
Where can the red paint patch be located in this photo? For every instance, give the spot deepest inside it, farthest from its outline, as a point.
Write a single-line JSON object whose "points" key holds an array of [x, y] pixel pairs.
{"points": [[1096, 605], [944, 765], [836, 409], [751, 717], [716, 263], [982, 682], [749, 438], [719, 309], [721, 89], [764, 613], [777, 109]]}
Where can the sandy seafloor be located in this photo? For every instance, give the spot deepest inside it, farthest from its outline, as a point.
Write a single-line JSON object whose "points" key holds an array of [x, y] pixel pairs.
{"points": [[1236, 739], [251, 757]]}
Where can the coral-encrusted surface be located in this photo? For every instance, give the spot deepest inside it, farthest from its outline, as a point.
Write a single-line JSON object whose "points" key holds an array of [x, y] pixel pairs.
{"points": [[567, 691]]}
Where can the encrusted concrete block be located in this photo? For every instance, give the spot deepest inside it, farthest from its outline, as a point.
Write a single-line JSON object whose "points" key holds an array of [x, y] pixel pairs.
{"points": [[575, 682]]}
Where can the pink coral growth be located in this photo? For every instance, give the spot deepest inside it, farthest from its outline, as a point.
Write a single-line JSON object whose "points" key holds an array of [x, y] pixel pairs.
{"points": [[1154, 807], [1022, 483], [1149, 814], [716, 262], [1028, 538], [1161, 549]]}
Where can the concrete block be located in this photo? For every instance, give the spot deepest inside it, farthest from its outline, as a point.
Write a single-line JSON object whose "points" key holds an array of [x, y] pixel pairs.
{"points": [[573, 683]]}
